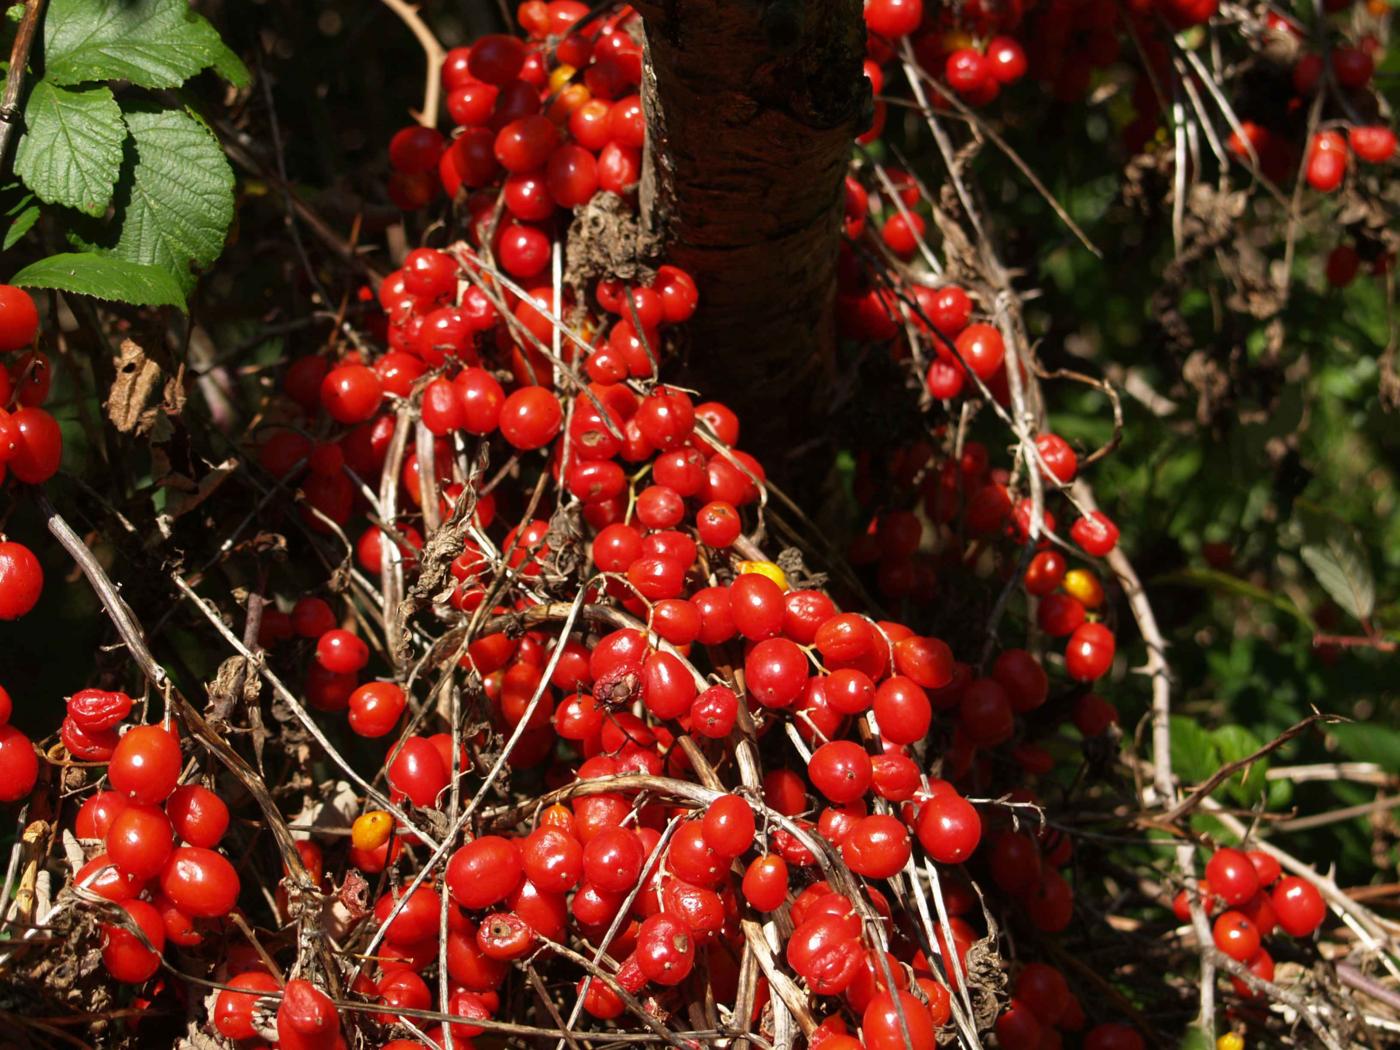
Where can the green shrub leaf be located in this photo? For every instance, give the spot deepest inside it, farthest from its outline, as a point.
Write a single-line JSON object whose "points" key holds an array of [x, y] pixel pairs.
{"points": [[103, 277], [153, 43], [175, 201], [71, 151]]}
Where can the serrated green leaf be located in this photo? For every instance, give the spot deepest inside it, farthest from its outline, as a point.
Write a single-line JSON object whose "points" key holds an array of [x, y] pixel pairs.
{"points": [[1233, 743], [230, 67], [103, 277], [1340, 564], [1194, 756], [153, 43], [1225, 583], [175, 202], [71, 151]]}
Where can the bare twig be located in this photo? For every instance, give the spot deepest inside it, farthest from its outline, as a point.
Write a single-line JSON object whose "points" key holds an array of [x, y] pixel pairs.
{"points": [[432, 50], [10, 114]]}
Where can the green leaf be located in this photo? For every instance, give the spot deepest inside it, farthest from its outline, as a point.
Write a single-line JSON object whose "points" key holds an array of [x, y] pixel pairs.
{"points": [[1225, 583], [1194, 755], [71, 152], [20, 216], [21, 224], [1369, 743], [175, 202], [1340, 564], [1233, 743], [153, 43], [103, 277]]}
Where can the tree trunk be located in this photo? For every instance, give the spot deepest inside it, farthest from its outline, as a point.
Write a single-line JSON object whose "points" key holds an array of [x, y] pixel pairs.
{"points": [[752, 106]]}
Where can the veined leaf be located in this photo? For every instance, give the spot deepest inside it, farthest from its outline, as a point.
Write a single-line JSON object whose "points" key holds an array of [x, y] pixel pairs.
{"points": [[1340, 564], [175, 203], [103, 277], [71, 151], [153, 43]]}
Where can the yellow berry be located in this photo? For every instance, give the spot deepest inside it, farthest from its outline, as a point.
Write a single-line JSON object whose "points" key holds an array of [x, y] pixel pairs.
{"points": [[764, 568], [371, 830], [1230, 1041], [1084, 585], [559, 77]]}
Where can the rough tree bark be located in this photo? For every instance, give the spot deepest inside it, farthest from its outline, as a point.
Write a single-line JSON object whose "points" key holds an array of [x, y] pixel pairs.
{"points": [[751, 108]]}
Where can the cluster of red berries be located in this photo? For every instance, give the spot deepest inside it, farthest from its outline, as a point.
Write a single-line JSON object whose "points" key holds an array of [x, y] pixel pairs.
{"points": [[31, 444], [1249, 897], [696, 640], [333, 678], [1042, 1006], [557, 124], [943, 43], [158, 856]]}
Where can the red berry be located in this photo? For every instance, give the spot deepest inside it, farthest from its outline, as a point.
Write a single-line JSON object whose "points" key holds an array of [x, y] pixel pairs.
{"points": [[124, 955], [1007, 59], [496, 58], [200, 882], [552, 859], [1089, 653], [19, 764], [1375, 144], [775, 671], [840, 770], [146, 764], [21, 580], [665, 949], [571, 175], [416, 149], [1298, 905], [525, 145], [375, 708], [418, 772], [233, 1010], [1236, 936], [765, 883], [484, 871], [140, 840], [19, 318], [36, 445], [877, 847], [948, 827], [351, 393], [893, 18], [881, 1028], [982, 349], [1353, 66], [531, 417], [198, 815], [1095, 533], [1326, 161], [902, 710], [967, 71], [306, 1018], [1232, 876], [1059, 459]]}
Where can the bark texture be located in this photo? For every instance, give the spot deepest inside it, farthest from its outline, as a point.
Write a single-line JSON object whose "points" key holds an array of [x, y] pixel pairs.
{"points": [[751, 108]]}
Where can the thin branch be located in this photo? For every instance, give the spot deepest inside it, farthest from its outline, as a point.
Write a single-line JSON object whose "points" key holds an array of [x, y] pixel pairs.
{"points": [[432, 50], [10, 113]]}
